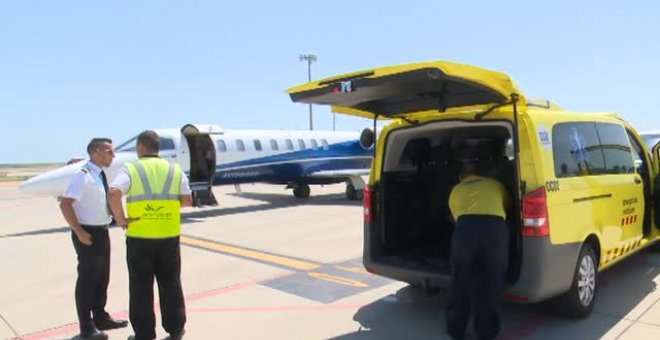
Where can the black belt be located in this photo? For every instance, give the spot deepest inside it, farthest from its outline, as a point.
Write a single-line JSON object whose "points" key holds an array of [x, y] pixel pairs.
{"points": [[94, 226]]}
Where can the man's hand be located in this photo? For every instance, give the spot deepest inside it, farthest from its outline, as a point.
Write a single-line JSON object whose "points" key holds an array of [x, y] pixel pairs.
{"points": [[125, 221], [84, 237]]}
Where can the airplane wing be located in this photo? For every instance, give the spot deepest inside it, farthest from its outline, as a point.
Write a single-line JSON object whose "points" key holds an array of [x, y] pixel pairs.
{"points": [[339, 173]]}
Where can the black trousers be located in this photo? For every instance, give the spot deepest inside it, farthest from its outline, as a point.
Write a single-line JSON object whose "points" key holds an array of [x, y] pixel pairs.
{"points": [[160, 259], [479, 258], [93, 276]]}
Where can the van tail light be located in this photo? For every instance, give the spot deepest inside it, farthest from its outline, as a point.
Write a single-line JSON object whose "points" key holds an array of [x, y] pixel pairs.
{"points": [[367, 204], [535, 214]]}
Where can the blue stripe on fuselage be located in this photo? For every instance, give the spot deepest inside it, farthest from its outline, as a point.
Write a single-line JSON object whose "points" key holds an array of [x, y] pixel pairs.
{"points": [[295, 166]]}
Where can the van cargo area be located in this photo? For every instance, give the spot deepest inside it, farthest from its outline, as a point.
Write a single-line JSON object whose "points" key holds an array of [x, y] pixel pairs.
{"points": [[413, 227]]}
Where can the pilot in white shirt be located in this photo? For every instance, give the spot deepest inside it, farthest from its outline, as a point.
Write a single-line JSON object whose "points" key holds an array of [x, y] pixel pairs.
{"points": [[85, 208]]}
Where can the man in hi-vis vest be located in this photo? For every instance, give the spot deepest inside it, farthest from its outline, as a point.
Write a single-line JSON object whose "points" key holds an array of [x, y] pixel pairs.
{"points": [[155, 191]]}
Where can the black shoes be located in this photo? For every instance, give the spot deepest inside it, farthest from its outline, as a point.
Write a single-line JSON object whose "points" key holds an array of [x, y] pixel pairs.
{"points": [[94, 334], [110, 323], [176, 336], [173, 336]]}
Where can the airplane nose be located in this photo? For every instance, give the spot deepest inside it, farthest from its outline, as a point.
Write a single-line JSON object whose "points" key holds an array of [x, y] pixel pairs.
{"points": [[52, 182]]}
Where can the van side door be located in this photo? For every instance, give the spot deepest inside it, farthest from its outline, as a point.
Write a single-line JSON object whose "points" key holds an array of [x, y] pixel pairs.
{"points": [[644, 168], [655, 178], [620, 168]]}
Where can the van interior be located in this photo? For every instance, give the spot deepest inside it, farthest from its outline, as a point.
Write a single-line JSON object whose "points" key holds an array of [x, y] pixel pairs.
{"points": [[420, 167]]}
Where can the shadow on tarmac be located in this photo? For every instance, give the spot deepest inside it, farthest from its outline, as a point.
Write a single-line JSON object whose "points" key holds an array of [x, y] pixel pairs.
{"points": [[269, 202], [412, 314]]}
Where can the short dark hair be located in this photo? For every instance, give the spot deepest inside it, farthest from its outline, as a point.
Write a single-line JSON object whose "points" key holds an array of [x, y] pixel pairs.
{"points": [[150, 140], [96, 143]]}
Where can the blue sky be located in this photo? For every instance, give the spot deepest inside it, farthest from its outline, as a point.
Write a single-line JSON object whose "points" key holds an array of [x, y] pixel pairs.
{"points": [[73, 70]]}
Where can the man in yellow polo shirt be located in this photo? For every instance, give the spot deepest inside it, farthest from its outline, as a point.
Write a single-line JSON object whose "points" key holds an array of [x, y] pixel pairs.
{"points": [[479, 252]]}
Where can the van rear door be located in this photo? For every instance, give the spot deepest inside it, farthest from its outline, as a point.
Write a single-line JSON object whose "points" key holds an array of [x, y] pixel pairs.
{"points": [[401, 91]]}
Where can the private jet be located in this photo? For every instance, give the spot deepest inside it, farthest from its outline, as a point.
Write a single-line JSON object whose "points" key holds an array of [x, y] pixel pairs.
{"points": [[210, 155]]}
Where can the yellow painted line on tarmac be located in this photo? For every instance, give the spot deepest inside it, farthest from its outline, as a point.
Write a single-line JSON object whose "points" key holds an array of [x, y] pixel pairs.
{"points": [[338, 279], [252, 254], [353, 269]]}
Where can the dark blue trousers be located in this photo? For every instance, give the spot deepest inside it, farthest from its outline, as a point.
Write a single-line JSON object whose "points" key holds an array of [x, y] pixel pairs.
{"points": [[479, 257], [93, 276], [158, 259]]}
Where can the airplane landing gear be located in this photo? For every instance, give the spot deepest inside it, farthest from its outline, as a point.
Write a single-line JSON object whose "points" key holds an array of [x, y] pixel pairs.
{"points": [[354, 188], [301, 190], [352, 193]]}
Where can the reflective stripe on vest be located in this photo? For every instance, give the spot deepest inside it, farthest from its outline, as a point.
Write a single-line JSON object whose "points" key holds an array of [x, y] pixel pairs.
{"points": [[154, 203]]}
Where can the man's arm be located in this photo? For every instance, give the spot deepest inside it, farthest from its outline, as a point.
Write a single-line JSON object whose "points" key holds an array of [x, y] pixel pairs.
{"points": [[66, 206], [186, 195], [114, 200], [186, 200]]}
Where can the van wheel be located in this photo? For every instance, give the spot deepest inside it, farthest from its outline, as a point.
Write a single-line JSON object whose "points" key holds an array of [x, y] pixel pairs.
{"points": [[578, 302]]}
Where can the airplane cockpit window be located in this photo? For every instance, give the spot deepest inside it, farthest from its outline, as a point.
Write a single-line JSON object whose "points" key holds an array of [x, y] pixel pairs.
{"points": [[257, 145], [273, 145], [222, 147], [289, 144], [325, 144], [314, 143], [239, 145], [167, 144], [130, 145], [127, 146], [301, 144]]}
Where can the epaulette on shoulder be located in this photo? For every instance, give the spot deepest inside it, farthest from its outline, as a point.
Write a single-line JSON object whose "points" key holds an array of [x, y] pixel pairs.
{"points": [[85, 170]]}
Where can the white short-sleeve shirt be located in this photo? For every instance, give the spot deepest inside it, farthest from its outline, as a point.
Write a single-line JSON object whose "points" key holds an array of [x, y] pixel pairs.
{"points": [[123, 182], [90, 199]]}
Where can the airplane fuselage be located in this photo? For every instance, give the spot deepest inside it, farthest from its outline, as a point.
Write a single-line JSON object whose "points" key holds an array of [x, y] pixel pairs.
{"points": [[223, 157]]}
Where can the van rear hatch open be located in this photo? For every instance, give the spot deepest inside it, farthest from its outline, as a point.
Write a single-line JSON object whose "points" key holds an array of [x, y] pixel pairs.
{"points": [[407, 223], [401, 91]]}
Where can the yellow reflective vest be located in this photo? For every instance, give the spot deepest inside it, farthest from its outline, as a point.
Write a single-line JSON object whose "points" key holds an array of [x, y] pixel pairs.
{"points": [[153, 198]]}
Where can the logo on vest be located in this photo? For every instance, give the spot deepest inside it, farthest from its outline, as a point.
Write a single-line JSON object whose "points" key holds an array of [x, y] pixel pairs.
{"points": [[155, 213]]}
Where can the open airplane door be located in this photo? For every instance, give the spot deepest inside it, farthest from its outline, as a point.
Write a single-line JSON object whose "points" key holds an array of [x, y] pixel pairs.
{"points": [[203, 160]]}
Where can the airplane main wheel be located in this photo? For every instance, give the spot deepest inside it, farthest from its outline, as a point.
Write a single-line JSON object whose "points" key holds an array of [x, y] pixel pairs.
{"points": [[353, 194], [301, 191]]}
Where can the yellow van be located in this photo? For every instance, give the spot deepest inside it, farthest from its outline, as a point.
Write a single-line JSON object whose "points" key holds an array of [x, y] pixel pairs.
{"points": [[582, 183]]}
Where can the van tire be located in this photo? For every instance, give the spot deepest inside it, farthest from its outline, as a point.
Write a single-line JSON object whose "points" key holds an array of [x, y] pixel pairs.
{"points": [[585, 281]]}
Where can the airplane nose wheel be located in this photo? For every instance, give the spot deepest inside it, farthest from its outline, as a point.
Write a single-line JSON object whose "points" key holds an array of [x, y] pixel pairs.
{"points": [[301, 191]]}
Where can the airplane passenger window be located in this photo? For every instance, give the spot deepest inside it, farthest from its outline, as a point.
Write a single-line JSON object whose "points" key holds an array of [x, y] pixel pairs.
{"points": [[314, 144], [301, 144], [289, 144], [257, 145], [325, 144], [273, 145], [239, 145], [167, 144], [222, 146]]}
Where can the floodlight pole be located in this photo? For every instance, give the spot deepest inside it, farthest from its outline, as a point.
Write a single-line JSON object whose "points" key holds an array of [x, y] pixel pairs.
{"points": [[310, 58]]}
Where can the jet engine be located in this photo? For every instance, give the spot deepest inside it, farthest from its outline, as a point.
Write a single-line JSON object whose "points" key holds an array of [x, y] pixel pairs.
{"points": [[367, 138]]}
